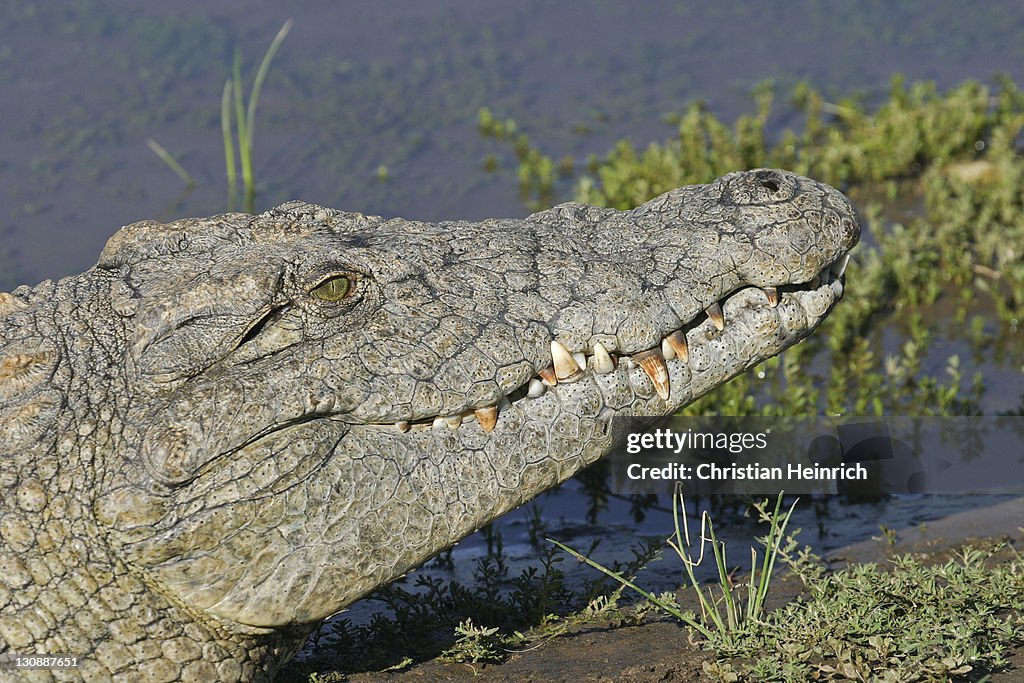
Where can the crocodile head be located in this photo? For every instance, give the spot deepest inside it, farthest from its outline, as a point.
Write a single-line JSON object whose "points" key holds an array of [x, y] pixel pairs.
{"points": [[312, 402]]}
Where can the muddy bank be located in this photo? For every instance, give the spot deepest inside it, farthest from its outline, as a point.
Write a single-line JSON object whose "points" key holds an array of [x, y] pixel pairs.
{"points": [[658, 650]]}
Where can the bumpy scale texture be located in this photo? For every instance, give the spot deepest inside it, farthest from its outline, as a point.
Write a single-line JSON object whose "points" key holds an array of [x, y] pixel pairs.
{"points": [[232, 427]]}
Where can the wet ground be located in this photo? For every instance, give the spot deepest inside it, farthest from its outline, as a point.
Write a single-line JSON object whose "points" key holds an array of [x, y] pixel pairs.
{"points": [[659, 649], [833, 526], [620, 524]]}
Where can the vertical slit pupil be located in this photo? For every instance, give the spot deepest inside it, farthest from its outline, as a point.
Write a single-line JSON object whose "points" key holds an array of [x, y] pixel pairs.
{"points": [[334, 289]]}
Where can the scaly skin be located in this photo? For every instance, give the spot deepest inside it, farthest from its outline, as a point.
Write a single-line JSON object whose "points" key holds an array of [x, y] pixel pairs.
{"points": [[203, 452]]}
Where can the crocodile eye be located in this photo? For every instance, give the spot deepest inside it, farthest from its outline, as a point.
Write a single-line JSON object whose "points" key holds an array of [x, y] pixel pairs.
{"points": [[333, 288]]}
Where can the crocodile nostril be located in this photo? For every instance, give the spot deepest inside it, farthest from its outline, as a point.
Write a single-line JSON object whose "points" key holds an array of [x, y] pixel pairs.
{"points": [[768, 180]]}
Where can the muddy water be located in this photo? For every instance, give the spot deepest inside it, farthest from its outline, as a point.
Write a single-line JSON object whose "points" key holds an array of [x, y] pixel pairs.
{"points": [[399, 85]]}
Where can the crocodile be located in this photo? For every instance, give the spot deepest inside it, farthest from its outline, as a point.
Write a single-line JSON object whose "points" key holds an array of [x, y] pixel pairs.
{"points": [[232, 427]]}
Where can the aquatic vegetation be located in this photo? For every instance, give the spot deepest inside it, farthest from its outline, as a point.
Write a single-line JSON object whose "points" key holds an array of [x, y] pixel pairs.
{"points": [[238, 121], [171, 162], [244, 120], [938, 177], [911, 621], [954, 157]]}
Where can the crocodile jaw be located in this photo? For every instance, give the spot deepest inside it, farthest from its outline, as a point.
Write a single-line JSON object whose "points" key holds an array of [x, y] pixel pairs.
{"points": [[306, 571], [386, 496], [197, 454]]}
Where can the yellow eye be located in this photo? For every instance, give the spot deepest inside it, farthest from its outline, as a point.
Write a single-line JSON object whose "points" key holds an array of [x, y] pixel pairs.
{"points": [[333, 289]]}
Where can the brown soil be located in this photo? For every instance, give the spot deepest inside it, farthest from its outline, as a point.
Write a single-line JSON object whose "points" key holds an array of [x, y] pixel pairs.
{"points": [[650, 652]]}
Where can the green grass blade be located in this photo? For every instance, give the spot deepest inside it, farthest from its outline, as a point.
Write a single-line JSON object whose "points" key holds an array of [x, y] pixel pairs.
{"points": [[171, 162], [244, 157], [245, 114], [681, 545], [677, 500], [779, 529], [229, 145], [721, 563], [773, 541], [752, 606], [626, 582], [261, 74]]}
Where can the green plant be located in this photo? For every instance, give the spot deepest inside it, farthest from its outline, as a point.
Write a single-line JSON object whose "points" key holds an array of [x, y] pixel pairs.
{"points": [[168, 159], [245, 119], [888, 534], [952, 620], [721, 613], [474, 644], [237, 121]]}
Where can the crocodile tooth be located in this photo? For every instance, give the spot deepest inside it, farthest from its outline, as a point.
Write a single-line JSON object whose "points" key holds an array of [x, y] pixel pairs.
{"points": [[439, 423], [837, 287], [839, 267], [566, 368], [667, 350], [547, 377], [714, 312], [580, 358], [602, 361], [10, 304], [487, 417], [677, 342], [536, 388], [453, 421], [773, 295], [403, 426], [653, 363]]}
